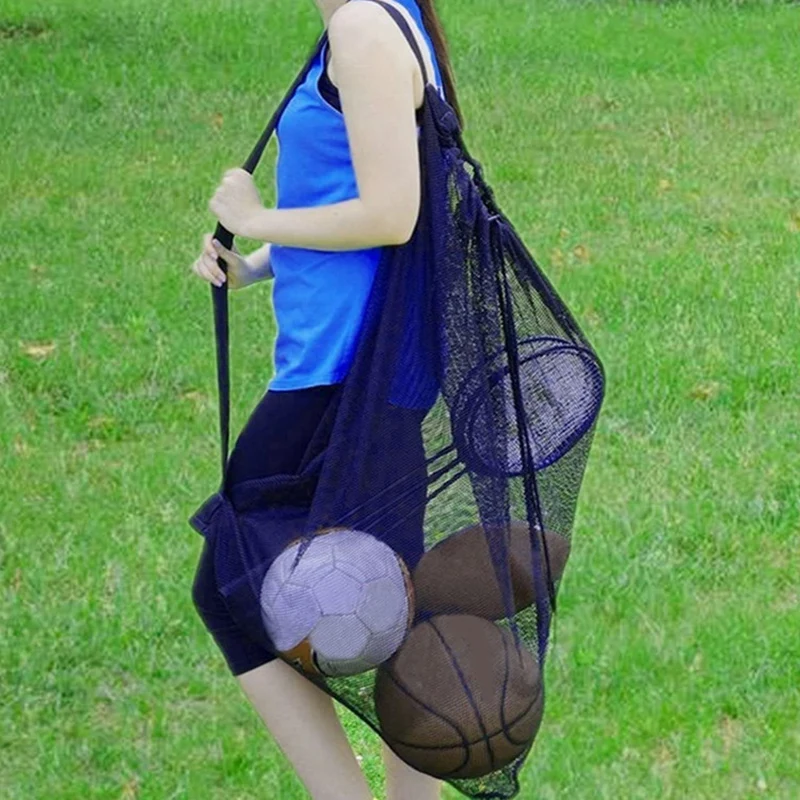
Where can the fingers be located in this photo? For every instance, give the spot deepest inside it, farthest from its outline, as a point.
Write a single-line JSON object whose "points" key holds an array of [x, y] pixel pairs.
{"points": [[209, 270], [206, 266], [229, 256]]}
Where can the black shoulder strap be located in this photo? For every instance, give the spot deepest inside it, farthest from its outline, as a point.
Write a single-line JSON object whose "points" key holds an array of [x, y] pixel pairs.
{"points": [[412, 40], [258, 150]]}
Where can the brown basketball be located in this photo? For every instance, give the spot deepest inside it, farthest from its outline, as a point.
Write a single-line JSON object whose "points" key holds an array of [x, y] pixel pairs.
{"points": [[458, 699], [457, 576]]}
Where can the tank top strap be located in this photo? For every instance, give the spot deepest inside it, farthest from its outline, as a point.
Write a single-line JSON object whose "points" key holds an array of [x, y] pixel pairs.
{"points": [[406, 29]]}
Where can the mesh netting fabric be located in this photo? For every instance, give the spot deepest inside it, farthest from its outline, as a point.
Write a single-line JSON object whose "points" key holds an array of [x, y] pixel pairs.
{"points": [[459, 439]]}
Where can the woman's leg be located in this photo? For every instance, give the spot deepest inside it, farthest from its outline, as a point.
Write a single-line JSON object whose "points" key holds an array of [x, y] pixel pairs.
{"points": [[405, 783], [299, 716], [304, 723]]}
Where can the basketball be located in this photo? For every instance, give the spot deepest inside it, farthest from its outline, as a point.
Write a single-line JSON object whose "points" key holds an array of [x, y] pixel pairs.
{"points": [[340, 607], [459, 699], [457, 575]]}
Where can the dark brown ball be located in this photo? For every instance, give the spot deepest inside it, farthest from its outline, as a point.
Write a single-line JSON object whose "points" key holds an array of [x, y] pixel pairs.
{"points": [[459, 699], [457, 576]]}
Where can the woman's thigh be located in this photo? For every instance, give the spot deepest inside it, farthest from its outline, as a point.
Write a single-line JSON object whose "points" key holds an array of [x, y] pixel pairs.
{"points": [[278, 433]]}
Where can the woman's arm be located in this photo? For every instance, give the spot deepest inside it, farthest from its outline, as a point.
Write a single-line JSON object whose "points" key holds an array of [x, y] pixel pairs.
{"points": [[259, 263], [375, 76], [351, 225]]}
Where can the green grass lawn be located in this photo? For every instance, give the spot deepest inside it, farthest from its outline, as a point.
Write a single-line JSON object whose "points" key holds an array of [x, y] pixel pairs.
{"points": [[650, 156]]}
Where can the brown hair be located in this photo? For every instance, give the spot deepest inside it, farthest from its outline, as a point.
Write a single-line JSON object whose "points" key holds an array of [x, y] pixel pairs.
{"points": [[433, 26]]}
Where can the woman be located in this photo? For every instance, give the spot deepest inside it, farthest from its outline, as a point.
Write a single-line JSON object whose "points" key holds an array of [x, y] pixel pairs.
{"points": [[348, 181]]}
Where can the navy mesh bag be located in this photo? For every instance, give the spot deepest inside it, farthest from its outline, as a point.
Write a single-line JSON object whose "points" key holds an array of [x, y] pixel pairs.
{"points": [[410, 567]]}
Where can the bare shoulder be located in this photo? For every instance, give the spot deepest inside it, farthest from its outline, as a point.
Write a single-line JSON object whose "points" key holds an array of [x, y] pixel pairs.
{"points": [[365, 34], [356, 17], [363, 24]]}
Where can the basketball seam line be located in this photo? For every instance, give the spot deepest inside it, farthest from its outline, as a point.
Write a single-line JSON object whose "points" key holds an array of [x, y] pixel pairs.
{"points": [[424, 705], [465, 741], [470, 699]]}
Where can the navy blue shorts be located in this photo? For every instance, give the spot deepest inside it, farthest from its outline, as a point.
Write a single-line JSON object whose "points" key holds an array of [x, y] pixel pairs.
{"points": [[272, 442]]}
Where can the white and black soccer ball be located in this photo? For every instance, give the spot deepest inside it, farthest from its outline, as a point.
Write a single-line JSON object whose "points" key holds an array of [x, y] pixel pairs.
{"points": [[343, 608]]}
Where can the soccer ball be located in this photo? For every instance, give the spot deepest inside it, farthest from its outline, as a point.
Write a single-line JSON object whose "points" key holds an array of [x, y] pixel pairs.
{"points": [[343, 608]]}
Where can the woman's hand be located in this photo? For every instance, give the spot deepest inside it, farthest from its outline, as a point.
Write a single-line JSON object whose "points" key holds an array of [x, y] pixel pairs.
{"points": [[241, 272], [237, 203]]}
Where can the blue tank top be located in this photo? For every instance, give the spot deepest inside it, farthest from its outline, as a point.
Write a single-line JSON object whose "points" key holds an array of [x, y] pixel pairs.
{"points": [[320, 296]]}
